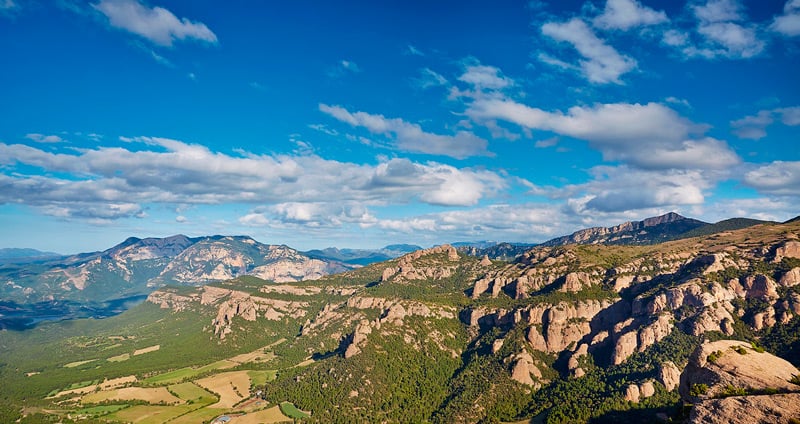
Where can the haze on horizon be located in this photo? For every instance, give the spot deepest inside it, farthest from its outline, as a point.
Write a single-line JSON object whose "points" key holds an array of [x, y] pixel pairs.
{"points": [[363, 124]]}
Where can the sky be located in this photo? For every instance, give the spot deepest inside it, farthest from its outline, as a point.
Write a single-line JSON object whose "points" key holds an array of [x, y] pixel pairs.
{"points": [[361, 124]]}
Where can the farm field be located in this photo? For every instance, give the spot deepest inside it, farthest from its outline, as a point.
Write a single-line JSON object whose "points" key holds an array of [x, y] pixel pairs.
{"points": [[185, 395]]}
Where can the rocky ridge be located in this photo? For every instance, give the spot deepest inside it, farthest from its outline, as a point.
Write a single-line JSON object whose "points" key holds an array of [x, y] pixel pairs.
{"points": [[727, 380]]}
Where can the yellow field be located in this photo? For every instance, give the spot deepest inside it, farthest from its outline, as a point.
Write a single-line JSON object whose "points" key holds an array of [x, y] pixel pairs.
{"points": [[146, 350], [202, 415], [232, 387], [145, 414], [149, 394], [256, 356], [119, 358], [78, 363], [270, 415], [116, 382]]}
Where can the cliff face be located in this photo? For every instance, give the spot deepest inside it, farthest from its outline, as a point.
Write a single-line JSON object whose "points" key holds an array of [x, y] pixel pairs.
{"points": [[726, 381], [650, 230]]}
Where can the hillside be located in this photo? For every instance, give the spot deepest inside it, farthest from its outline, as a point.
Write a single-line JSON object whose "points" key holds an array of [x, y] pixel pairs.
{"points": [[497, 251], [648, 231], [86, 284], [564, 334], [362, 256]]}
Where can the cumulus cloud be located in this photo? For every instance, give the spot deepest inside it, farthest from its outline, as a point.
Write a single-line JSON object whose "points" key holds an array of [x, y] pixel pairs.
{"points": [[168, 171], [484, 77], [627, 14], [754, 127], [41, 138], [308, 215], [410, 137], [156, 24], [618, 189], [723, 31], [788, 23], [649, 136], [601, 63], [777, 178]]}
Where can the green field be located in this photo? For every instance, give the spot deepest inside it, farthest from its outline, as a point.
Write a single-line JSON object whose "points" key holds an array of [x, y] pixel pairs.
{"points": [[184, 374], [259, 378], [192, 393], [291, 411]]}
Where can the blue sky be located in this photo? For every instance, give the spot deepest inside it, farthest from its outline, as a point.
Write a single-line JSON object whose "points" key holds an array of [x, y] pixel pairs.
{"points": [[360, 124]]}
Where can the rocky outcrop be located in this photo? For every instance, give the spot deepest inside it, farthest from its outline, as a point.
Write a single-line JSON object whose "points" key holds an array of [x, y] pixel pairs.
{"points": [[412, 266], [669, 375], [760, 286], [791, 278], [630, 339], [575, 282], [524, 370], [169, 299], [563, 324], [718, 366], [772, 409], [358, 339], [636, 392], [234, 303], [789, 249]]}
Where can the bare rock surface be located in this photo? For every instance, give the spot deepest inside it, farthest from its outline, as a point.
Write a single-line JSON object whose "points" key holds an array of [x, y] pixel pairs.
{"points": [[777, 409], [730, 363]]}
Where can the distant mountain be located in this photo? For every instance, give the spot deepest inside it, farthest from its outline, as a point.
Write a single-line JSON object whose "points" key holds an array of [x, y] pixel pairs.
{"points": [[17, 255], [724, 225], [494, 250], [136, 267], [362, 256], [649, 231]]}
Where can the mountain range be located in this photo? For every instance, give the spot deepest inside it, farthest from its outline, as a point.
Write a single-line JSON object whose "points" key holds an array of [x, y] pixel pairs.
{"points": [[569, 333], [99, 283]]}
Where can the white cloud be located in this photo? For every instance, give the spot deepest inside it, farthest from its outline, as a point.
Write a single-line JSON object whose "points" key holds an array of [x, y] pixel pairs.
{"points": [[754, 127], [410, 137], [627, 14], [180, 219], [429, 78], [618, 189], [601, 63], [790, 115], [647, 136], [172, 172], [777, 178], [342, 68], [156, 24], [718, 11], [788, 24], [483, 77], [723, 33], [411, 50], [41, 138], [675, 38]]}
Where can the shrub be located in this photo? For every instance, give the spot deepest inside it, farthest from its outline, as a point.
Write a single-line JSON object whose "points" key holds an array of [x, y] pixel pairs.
{"points": [[698, 389], [740, 350], [714, 356]]}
